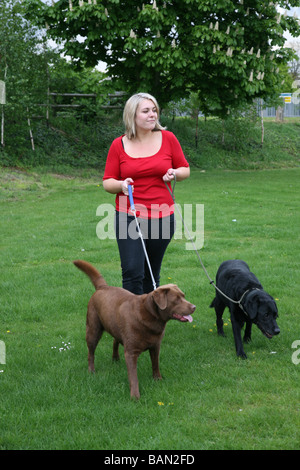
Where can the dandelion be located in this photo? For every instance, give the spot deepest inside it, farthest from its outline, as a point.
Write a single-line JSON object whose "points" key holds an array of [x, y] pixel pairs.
{"points": [[160, 403], [211, 330]]}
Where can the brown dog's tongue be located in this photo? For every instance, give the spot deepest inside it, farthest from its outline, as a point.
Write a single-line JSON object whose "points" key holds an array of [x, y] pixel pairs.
{"points": [[189, 318]]}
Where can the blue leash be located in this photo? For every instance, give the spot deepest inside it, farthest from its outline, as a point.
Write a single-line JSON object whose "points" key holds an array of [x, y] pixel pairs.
{"points": [[132, 208]]}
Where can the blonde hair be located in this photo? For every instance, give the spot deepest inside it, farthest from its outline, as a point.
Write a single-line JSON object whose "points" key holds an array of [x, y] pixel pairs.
{"points": [[130, 113]]}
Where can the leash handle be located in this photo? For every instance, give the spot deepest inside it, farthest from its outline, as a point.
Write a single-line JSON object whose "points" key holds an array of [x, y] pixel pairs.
{"points": [[131, 198]]}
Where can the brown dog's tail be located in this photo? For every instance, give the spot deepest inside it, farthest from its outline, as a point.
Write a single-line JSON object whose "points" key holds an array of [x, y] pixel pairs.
{"points": [[94, 275]]}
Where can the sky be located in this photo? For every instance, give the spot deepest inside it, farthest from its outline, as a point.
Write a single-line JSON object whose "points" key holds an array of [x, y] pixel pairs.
{"points": [[292, 11]]}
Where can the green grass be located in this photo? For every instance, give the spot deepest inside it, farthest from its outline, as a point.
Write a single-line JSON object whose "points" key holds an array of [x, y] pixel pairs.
{"points": [[208, 398]]}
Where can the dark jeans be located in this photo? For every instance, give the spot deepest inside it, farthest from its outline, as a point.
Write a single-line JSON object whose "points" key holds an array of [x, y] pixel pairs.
{"points": [[157, 234]]}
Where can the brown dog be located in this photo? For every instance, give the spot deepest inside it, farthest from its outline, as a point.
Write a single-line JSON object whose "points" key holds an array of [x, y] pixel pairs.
{"points": [[136, 321]]}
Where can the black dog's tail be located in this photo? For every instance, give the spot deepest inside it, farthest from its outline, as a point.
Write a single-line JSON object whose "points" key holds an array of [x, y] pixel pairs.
{"points": [[94, 275], [213, 304]]}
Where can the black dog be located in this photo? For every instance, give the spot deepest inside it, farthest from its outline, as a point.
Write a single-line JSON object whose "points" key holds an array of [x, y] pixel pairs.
{"points": [[236, 281]]}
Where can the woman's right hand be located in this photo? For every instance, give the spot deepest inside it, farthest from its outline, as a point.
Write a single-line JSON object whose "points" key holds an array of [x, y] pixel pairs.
{"points": [[125, 184]]}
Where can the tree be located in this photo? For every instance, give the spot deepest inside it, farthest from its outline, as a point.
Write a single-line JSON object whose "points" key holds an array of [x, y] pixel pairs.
{"points": [[229, 52], [294, 65], [22, 68]]}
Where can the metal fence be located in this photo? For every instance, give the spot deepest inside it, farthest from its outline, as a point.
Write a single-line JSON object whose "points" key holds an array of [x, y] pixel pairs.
{"points": [[290, 106]]}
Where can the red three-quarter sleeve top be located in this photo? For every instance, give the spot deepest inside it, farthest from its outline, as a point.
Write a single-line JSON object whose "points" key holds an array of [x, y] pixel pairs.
{"points": [[151, 196]]}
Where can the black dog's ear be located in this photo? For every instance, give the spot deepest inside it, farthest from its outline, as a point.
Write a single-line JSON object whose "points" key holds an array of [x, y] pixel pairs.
{"points": [[251, 305]]}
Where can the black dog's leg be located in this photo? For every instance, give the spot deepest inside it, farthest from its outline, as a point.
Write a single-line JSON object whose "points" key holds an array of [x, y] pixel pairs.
{"points": [[236, 328], [219, 309], [247, 335]]}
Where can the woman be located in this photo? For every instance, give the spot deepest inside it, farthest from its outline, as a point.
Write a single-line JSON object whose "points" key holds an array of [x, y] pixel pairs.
{"points": [[146, 157]]}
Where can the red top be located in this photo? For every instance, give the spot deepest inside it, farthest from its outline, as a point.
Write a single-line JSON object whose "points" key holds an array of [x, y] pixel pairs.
{"points": [[151, 197]]}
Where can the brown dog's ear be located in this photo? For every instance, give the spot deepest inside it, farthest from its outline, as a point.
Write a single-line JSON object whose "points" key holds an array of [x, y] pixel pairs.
{"points": [[160, 297]]}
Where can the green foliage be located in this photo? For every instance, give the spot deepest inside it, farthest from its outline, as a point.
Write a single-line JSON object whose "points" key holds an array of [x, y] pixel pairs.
{"points": [[229, 52], [64, 78], [22, 62], [236, 142], [30, 70], [23, 69], [70, 143], [67, 142]]}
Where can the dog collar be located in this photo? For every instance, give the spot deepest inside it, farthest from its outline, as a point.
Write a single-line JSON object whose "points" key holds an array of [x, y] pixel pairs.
{"points": [[240, 301]]}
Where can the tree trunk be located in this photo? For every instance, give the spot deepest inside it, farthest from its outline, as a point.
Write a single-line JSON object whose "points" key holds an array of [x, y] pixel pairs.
{"points": [[262, 123], [30, 131], [3, 102]]}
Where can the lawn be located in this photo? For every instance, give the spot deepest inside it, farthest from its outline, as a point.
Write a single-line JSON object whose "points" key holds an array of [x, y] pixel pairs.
{"points": [[208, 398]]}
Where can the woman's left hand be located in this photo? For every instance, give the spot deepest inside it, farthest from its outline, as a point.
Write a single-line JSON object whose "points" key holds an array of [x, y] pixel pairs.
{"points": [[169, 176]]}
